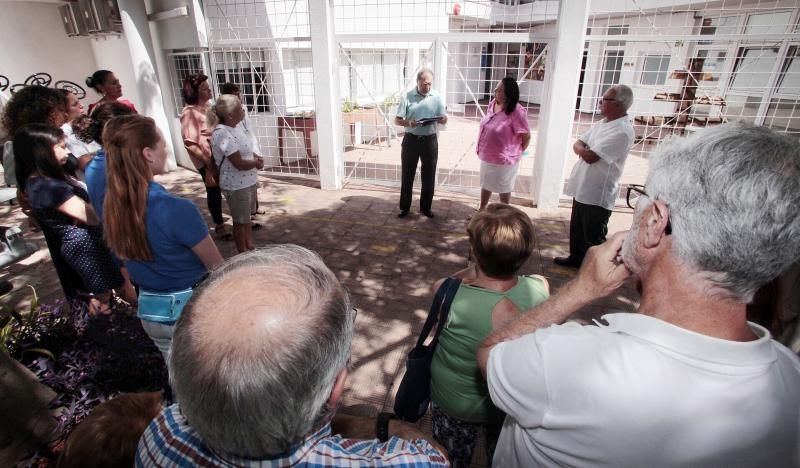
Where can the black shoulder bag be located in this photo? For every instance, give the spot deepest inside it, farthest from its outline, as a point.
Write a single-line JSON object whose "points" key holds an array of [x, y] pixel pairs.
{"points": [[414, 394]]}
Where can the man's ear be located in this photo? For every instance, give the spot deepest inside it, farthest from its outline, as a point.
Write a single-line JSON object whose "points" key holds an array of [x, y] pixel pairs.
{"points": [[338, 389], [657, 219]]}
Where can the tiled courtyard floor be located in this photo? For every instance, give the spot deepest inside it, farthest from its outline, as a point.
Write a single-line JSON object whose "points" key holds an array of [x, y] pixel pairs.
{"points": [[388, 264]]}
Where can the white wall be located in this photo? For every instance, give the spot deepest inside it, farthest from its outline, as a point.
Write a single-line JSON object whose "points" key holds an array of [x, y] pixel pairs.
{"points": [[33, 40], [183, 32]]}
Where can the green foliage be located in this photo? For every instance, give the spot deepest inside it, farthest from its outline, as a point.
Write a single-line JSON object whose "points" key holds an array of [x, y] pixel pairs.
{"points": [[392, 99], [13, 324], [349, 106]]}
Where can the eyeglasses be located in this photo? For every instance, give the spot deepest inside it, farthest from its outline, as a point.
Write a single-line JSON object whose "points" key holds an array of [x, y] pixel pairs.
{"points": [[636, 191]]}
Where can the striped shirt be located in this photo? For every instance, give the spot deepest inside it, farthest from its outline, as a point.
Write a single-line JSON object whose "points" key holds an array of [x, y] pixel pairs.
{"points": [[170, 441]]}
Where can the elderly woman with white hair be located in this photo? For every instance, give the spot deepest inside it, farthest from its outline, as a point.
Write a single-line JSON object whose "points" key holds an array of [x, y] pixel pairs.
{"points": [[232, 149]]}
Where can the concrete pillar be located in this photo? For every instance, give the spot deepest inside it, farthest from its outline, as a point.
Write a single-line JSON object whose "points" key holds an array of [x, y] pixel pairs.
{"points": [[440, 57], [324, 57], [143, 57], [555, 121]]}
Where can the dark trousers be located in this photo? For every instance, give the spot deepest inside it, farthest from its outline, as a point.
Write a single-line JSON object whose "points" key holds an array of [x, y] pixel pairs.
{"points": [[588, 226], [214, 199], [416, 148]]}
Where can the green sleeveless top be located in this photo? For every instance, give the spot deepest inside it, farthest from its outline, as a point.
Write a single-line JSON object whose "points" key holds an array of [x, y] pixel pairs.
{"points": [[456, 382]]}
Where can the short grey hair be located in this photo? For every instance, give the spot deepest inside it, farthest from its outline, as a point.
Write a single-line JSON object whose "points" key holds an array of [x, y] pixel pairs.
{"points": [[734, 198], [265, 387], [423, 71], [624, 95], [225, 104]]}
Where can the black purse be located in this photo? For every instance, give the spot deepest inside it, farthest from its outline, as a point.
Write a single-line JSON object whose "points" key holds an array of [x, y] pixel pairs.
{"points": [[414, 394]]}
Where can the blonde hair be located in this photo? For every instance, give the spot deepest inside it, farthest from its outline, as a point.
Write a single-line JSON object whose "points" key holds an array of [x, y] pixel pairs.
{"points": [[502, 239], [128, 177], [225, 104]]}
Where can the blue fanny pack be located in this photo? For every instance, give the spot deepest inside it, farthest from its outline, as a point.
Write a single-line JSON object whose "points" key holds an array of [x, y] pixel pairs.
{"points": [[162, 307]]}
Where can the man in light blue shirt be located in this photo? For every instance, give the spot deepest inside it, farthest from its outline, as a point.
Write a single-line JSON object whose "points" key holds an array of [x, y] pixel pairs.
{"points": [[420, 111]]}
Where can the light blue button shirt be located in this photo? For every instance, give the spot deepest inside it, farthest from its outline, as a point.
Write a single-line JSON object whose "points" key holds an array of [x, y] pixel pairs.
{"points": [[415, 106]]}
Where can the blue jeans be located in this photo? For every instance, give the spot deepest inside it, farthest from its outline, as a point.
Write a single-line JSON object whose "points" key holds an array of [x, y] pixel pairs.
{"points": [[161, 334]]}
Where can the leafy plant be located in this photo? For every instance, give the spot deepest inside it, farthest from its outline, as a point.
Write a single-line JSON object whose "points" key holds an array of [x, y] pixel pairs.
{"points": [[13, 325], [85, 360], [392, 99], [349, 106]]}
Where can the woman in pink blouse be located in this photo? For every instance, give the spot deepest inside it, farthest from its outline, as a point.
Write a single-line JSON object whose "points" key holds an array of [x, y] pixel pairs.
{"points": [[197, 141], [504, 135]]}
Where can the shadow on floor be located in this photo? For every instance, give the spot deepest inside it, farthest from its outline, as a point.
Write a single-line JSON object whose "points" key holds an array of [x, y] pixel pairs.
{"points": [[388, 264]]}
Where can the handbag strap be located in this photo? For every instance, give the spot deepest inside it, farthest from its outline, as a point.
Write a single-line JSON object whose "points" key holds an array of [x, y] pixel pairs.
{"points": [[439, 310]]}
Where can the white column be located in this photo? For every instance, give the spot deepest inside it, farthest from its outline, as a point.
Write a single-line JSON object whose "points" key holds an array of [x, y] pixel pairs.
{"points": [[440, 57], [143, 57], [324, 56], [555, 121]]}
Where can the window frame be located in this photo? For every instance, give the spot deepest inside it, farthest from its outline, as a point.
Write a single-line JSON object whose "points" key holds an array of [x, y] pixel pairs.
{"points": [[254, 81], [665, 72], [177, 74]]}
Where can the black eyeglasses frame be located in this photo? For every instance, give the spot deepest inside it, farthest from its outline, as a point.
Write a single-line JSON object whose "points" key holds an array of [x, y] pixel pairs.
{"points": [[639, 191]]}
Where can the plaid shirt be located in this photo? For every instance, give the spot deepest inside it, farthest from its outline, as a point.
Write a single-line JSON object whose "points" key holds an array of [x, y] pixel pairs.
{"points": [[170, 441]]}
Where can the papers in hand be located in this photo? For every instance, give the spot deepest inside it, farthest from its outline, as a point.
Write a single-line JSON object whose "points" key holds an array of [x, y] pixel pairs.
{"points": [[427, 121]]}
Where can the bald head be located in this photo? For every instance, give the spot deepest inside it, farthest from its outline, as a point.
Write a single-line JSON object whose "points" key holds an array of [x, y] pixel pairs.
{"points": [[256, 352]]}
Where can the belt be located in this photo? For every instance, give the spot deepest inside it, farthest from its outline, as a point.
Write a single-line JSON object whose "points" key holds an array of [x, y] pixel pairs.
{"points": [[421, 137]]}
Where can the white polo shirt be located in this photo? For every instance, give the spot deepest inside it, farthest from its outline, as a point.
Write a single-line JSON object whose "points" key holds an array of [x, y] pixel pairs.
{"points": [[642, 392], [597, 184]]}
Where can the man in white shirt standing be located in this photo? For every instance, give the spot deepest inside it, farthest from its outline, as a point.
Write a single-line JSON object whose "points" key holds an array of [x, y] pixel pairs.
{"points": [[687, 381], [602, 150]]}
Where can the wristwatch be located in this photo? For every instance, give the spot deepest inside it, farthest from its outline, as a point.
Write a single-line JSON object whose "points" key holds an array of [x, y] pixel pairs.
{"points": [[382, 426]]}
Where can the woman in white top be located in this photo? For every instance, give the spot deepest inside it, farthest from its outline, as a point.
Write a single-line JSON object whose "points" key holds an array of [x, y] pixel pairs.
{"points": [[84, 152], [232, 148]]}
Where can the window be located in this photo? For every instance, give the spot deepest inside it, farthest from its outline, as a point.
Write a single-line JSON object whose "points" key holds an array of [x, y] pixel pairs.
{"points": [[298, 76], [753, 68], [373, 75], [742, 108], [183, 64], [618, 30], [717, 26], [713, 63], [655, 70], [789, 81], [250, 69], [768, 23], [783, 115]]}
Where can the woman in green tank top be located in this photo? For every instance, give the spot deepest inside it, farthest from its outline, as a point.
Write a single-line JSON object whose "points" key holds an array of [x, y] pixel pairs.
{"points": [[491, 293]]}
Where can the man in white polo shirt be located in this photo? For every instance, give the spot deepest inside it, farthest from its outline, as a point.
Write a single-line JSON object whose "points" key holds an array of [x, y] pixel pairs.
{"points": [[602, 150], [687, 381]]}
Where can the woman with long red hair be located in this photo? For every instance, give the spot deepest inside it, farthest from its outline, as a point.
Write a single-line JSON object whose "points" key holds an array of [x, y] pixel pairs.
{"points": [[161, 238]]}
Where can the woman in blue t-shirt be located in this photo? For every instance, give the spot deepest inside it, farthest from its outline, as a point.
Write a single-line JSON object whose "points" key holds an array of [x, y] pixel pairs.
{"points": [[88, 130], [161, 238]]}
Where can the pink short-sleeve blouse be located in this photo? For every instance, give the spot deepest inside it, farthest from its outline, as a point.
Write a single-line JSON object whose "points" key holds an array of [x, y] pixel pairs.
{"points": [[500, 140], [195, 130]]}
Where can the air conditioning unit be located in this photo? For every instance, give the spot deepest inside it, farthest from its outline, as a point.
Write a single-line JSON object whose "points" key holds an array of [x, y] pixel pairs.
{"points": [[72, 20], [100, 16]]}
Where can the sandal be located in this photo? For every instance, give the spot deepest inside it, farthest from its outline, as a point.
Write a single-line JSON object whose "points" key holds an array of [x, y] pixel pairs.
{"points": [[256, 226]]}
